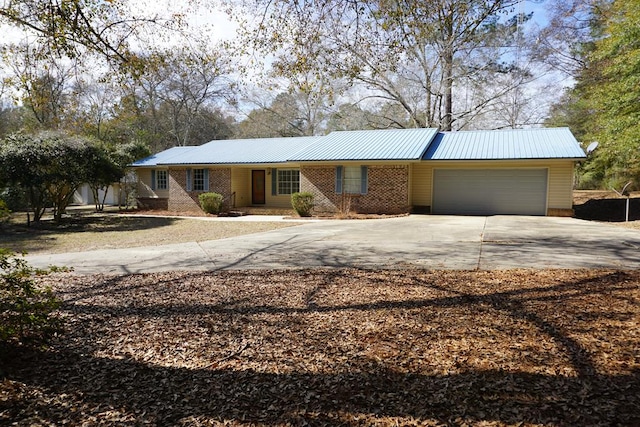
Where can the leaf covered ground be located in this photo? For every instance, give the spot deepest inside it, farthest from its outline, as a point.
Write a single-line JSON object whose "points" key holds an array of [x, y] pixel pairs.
{"points": [[336, 347]]}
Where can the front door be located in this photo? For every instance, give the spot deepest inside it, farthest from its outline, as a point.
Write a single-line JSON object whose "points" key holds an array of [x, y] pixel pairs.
{"points": [[258, 187]]}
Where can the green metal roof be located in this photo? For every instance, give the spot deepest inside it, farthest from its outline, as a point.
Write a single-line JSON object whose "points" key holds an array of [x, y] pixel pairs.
{"points": [[390, 144], [372, 145], [163, 157], [513, 144]]}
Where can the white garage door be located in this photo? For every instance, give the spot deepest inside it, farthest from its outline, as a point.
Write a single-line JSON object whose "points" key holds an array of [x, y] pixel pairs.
{"points": [[490, 191]]}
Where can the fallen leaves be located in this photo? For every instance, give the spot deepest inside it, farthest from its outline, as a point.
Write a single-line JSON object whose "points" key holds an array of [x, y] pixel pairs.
{"points": [[336, 347]]}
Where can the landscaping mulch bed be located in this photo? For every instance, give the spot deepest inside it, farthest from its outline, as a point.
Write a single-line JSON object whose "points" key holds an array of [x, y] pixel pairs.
{"points": [[336, 347], [600, 205], [286, 213]]}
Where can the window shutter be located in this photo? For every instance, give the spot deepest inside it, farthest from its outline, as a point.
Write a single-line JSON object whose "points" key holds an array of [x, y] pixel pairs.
{"points": [[153, 179], [274, 181], [364, 184], [205, 176], [338, 179], [189, 181]]}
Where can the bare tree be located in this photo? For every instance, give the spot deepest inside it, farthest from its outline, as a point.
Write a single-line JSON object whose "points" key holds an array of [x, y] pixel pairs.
{"points": [[44, 82], [190, 80], [68, 27], [563, 43], [416, 54]]}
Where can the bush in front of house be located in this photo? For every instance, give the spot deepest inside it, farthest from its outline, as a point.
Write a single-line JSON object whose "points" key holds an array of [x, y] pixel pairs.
{"points": [[302, 203], [27, 310], [211, 203]]}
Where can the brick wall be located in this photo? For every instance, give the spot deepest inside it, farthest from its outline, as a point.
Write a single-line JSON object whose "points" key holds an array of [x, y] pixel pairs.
{"points": [[388, 190], [153, 203], [220, 182], [321, 181], [181, 200]]}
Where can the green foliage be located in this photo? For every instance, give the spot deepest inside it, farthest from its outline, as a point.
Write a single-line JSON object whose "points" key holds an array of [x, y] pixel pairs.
{"points": [[27, 310], [603, 106], [302, 203], [104, 172], [15, 198], [614, 99], [48, 165], [211, 203], [23, 164], [5, 213], [126, 153]]}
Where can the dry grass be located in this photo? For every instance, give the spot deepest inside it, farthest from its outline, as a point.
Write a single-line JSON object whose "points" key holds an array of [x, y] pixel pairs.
{"points": [[341, 347], [88, 231]]}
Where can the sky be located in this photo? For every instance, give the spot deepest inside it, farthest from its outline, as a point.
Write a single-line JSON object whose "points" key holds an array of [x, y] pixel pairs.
{"points": [[214, 21], [218, 26]]}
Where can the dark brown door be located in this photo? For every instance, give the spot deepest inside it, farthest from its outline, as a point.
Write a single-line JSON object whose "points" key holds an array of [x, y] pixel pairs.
{"points": [[257, 187]]}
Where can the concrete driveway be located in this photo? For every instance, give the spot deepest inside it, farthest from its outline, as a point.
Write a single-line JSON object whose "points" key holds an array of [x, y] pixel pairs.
{"points": [[436, 242]]}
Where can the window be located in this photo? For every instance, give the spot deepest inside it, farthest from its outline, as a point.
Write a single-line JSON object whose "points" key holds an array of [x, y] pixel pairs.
{"points": [[197, 179], [159, 180], [351, 180], [162, 182], [288, 181]]}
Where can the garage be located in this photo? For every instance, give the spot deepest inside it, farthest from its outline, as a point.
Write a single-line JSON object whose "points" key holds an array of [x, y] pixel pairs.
{"points": [[490, 191]]}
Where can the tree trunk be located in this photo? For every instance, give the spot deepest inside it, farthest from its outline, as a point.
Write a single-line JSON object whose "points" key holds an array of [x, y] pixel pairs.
{"points": [[447, 118], [447, 72]]}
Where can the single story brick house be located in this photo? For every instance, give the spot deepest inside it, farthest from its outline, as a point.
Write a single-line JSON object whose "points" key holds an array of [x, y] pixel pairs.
{"points": [[522, 172]]}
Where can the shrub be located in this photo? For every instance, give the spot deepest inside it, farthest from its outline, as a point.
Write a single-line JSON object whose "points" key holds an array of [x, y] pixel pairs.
{"points": [[27, 311], [5, 213], [211, 203], [302, 203], [15, 198]]}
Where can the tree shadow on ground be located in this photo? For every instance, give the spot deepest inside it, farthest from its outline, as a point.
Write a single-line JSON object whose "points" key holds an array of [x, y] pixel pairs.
{"points": [[43, 234], [70, 383], [135, 393]]}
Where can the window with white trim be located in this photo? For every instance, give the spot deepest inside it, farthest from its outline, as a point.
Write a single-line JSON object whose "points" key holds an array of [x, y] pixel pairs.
{"points": [[288, 181], [162, 181], [199, 182]]}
